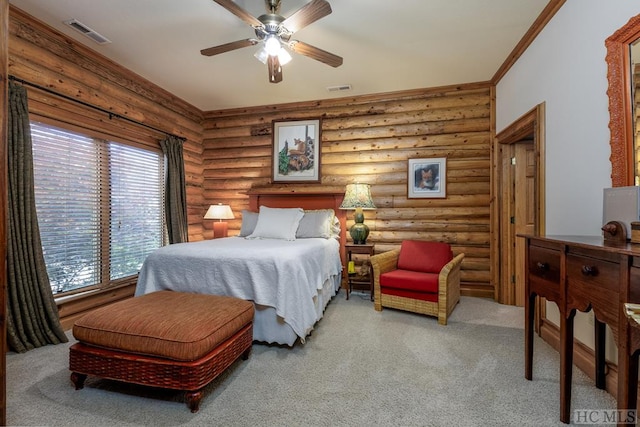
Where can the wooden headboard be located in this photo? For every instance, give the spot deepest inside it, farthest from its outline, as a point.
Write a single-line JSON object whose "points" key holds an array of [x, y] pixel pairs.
{"points": [[288, 198]]}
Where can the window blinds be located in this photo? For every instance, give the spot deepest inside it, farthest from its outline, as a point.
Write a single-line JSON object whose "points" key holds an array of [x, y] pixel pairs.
{"points": [[99, 207]]}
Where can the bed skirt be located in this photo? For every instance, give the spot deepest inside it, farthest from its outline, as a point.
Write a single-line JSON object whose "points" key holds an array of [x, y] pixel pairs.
{"points": [[270, 328]]}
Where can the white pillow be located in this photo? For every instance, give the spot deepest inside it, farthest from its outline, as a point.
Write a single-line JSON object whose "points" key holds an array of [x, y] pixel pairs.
{"points": [[335, 228], [277, 223], [249, 221], [316, 223]]}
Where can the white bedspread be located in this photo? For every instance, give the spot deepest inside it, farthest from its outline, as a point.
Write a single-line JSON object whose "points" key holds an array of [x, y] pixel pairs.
{"points": [[285, 275]]}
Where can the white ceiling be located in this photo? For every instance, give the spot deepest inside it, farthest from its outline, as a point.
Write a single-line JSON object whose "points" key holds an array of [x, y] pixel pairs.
{"points": [[386, 45]]}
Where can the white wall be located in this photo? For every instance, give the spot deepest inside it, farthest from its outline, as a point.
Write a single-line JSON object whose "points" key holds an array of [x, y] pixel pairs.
{"points": [[565, 68]]}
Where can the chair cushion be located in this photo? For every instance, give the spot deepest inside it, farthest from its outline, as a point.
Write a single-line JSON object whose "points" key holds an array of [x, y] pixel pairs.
{"points": [[173, 325], [421, 296], [427, 257], [410, 280]]}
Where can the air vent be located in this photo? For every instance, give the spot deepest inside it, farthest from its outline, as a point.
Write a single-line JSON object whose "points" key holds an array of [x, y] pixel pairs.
{"points": [[83, 29], [339, 88]]}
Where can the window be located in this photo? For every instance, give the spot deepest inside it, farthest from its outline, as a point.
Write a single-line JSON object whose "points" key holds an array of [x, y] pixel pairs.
{"points": [[99, 206]]}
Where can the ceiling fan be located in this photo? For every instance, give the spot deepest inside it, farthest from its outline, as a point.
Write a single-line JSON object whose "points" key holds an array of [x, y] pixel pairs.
{"points": [[274, 31]]}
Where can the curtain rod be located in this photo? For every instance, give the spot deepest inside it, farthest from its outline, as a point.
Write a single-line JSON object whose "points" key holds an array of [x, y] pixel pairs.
{"points": [[86, 104]]}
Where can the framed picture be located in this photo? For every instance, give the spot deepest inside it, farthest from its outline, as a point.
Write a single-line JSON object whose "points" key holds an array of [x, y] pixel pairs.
{"points": [[427, 178], [296, 151]]}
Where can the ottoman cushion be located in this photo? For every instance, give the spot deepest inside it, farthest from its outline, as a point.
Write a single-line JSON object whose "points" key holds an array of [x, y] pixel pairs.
{"points": [[173, 325]]}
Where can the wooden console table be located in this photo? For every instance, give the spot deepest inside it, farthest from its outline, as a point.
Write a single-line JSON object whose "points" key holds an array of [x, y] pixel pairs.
{"points": [[583, 273]]}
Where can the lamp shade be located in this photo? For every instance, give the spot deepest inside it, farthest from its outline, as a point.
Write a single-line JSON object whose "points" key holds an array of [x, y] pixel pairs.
{"points": [[357, 196], [219, 211]]}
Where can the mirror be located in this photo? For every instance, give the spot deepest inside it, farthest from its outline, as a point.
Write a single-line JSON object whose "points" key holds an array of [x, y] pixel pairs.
{"points": [[621, 107]]}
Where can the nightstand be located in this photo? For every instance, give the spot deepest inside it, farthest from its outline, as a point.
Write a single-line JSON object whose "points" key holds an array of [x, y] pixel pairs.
{"points": [[362, 274]]}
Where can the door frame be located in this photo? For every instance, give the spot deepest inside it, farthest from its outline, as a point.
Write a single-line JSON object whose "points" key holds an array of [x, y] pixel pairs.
{"points": [[531, 123]]}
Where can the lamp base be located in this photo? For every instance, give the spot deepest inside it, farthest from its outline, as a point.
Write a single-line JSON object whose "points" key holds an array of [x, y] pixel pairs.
{"points": [[359, 233], [219, 229]]}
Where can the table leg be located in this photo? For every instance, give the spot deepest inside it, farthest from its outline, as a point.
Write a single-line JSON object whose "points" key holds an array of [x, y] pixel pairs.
{"points": [[348, 274], [566, 365], [529, 310], [632, 404], [627, 381], [600, 337]]}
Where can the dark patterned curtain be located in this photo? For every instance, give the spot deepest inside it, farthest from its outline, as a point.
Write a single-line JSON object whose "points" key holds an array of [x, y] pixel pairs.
{"points": [[32, 315], [175, 207]]}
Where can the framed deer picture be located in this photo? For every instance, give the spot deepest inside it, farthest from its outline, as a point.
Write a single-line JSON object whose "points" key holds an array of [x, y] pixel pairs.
{"points": [[296, 151]]}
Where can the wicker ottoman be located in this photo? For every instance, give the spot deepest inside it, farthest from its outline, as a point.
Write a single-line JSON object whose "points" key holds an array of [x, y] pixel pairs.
{"points": [[164, 339]]}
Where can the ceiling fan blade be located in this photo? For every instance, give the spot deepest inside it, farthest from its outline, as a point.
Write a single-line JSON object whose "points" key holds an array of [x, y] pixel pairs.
{"points": [[316, 53], [307, 14], [239, 12], [275, 70], [210, 51]]}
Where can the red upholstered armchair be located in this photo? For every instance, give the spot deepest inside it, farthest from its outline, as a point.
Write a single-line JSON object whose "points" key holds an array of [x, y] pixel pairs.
{"points": [[422, 277]]}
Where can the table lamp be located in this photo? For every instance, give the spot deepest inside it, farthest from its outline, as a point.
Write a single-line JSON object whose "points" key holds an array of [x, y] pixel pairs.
{"points": [[358, 196], [219, 212]]}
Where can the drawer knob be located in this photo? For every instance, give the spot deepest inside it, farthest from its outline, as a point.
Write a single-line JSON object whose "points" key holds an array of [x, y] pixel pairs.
{"points": [[590, 270], [542, 266]]}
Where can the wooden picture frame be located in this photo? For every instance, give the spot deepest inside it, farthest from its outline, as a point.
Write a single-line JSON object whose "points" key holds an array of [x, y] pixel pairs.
{"points": [[296, 151], [427, 178]]}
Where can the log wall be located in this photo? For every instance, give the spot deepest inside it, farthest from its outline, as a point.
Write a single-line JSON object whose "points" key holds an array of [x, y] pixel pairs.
{"points": [[42, 56], [366, 139], [369, 139]]}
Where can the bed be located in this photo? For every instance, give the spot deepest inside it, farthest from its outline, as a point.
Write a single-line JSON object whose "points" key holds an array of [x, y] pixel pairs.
{"points": [[289, 281]]}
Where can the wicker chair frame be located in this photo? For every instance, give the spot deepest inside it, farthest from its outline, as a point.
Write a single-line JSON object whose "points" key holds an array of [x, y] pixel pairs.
{"points": [[448, 288]]}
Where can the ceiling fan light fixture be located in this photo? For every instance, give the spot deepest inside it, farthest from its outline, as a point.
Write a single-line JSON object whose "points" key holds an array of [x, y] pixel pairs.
{"points": [[283, 56], [261, 55], [272, 45]]}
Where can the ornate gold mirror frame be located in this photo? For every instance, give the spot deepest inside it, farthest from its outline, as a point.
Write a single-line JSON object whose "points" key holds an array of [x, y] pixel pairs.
{"points": [[620, 107]]}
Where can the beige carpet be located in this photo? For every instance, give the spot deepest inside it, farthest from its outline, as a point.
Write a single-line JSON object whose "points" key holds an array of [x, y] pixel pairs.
{"points": [[359, 368]]}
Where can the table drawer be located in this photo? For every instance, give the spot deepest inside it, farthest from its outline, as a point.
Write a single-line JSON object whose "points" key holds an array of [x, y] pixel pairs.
{"points": [[594, 272], [544, 264]]}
